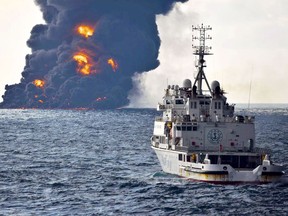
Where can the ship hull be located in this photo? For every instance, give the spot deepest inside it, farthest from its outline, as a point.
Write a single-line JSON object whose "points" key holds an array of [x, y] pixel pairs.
{"points": [[216, 173]]}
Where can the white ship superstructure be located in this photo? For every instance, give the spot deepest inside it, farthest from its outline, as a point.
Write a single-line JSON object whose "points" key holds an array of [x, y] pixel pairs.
{"points": [[199, 136]]}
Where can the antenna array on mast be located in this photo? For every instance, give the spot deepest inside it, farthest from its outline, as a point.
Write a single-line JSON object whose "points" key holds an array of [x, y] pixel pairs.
{"points": [[201, 50]]}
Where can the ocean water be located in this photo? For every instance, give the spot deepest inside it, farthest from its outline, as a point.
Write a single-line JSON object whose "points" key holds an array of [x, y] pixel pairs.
{"points": [[91, 162]]}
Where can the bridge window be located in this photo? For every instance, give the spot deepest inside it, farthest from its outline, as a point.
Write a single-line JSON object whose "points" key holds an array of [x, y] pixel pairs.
{"points": [[186, 128], [194, 105], [179, 101], [217, 105]]}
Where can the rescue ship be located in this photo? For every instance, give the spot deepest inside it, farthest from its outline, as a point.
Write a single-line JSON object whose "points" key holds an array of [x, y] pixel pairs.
{"points": [[199, 137]]}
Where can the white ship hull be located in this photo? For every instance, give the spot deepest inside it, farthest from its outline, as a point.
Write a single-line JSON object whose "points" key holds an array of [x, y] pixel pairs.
{"points": [[199, 136], [216, 173]]}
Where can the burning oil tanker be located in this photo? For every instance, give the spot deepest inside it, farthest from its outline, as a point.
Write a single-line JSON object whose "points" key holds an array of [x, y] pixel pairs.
{"points": [[87, 53]]}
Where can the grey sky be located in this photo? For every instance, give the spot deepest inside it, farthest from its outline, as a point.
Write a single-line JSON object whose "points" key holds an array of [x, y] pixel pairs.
{"points": [[249, 45]]}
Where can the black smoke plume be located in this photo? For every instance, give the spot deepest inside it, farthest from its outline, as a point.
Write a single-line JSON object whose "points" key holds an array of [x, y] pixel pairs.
{"points": [[124, 30]]}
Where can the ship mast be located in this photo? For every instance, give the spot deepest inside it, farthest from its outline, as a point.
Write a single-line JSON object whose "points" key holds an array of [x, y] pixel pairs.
{"points": [[201, 50]]}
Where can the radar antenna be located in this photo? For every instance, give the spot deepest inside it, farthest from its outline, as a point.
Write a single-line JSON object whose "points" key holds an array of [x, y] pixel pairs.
{"points": [[201, 50]]}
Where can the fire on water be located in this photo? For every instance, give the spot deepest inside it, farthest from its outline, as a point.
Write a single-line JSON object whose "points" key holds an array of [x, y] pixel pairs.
{"points": [[39, 83], [113, 64], [84, 63], [85, 30]]}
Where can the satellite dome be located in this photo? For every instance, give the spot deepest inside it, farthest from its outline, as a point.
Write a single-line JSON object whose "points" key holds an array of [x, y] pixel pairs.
{"points": [[215, 84], [187, 83]]}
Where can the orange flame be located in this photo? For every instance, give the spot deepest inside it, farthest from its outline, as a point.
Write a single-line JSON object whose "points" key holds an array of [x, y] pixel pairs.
{"points": [[113, 64], [85, 30], [39, 83], [84, 65]]}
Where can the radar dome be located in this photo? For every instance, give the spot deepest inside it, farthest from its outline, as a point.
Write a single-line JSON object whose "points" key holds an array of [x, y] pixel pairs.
{"points": [[187, 83], [214, 85]]}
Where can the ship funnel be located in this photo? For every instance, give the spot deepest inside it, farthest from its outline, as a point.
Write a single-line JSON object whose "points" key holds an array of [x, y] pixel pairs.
{"points": [[187, 83]]}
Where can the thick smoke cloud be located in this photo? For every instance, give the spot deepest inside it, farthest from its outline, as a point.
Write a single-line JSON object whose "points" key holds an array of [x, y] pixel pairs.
{"points": [[124, 30]]}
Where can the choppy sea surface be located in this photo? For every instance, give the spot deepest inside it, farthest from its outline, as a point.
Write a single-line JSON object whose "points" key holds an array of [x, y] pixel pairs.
{"points": [[91, 162]]}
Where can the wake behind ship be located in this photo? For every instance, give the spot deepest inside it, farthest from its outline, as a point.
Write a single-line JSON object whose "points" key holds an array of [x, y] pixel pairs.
{"points": [[199, 136]]}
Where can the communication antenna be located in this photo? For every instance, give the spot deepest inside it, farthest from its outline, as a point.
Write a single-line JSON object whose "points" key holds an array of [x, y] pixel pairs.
{"points": [[249, 95], [250, 87], [201, 50]]}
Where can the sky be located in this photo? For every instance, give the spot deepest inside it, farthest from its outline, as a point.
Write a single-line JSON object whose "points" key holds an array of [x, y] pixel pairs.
{"points": [[17, 19], [249, 46]]}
